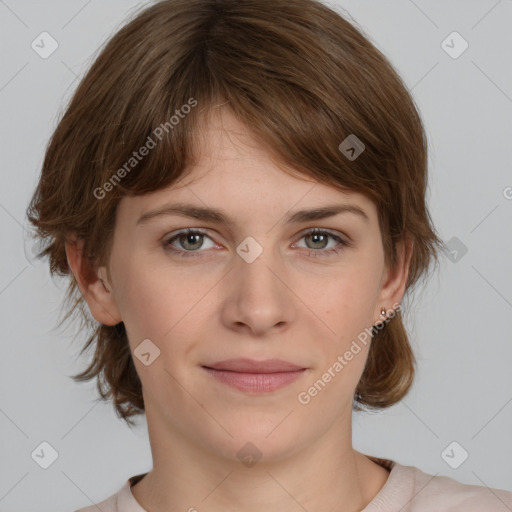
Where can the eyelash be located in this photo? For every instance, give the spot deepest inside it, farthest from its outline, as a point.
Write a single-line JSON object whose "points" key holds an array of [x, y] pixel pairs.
{"points": [[313, 253]]}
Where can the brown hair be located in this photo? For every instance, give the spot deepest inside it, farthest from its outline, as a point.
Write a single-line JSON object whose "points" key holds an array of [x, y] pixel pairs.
{"points": [[302, 78]]}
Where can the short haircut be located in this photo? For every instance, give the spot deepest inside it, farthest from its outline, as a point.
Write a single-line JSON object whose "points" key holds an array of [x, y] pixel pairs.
{"points": [[303, 79]]}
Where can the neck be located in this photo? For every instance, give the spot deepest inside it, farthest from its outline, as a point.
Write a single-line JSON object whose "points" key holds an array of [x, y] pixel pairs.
{"points": [[325, 475]]}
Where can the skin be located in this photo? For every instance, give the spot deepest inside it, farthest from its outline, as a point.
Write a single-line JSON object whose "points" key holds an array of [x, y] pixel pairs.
{"points": [[286, 304]]}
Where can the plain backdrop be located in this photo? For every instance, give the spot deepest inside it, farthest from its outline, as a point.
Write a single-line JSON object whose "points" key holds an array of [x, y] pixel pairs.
{"points": [[460, 325]]}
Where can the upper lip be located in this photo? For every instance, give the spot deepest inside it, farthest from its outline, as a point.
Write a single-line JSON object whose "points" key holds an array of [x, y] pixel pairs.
{"points": [[244, 365]]}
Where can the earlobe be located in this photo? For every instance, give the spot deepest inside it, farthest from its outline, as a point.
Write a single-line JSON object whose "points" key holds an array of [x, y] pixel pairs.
{"points": [[393, 287], [94, 286]]}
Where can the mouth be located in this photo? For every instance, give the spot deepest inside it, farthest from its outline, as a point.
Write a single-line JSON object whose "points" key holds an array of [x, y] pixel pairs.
{"points": [[253, 376]]}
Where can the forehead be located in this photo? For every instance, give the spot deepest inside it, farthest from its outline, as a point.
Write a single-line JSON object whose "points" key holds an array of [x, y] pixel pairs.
{"points": [[235, 170]]}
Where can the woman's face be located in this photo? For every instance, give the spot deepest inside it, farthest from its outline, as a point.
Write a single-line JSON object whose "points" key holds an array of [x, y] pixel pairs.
{"points": [[257, 286]]}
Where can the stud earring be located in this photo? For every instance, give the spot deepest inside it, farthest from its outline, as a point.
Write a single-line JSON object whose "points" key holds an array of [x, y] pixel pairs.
{"points": [[383, 312]]}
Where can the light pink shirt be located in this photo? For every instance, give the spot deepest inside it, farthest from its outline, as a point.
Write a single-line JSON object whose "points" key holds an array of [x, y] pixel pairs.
{"points": [[407, 489]]}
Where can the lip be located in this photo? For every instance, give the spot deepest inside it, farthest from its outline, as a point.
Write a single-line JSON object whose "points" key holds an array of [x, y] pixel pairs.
{"points": [[244, 365], [253, 376]]}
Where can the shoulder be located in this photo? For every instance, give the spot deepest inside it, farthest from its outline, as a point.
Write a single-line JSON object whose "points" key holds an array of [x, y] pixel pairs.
{"points": [[121, 501], [416, 491], [108, 505], [445, 493]]}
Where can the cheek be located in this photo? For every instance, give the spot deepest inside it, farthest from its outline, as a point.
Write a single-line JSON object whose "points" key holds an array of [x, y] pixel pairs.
{"points": [[162, 303], [349, 310], [146, 301], [347, 302]]}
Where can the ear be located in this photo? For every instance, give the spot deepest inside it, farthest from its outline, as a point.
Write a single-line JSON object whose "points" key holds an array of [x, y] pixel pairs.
{"points": [[393, 281], [93, 284]]}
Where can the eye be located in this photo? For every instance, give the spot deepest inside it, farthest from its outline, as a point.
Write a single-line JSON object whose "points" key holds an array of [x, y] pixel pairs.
{"points": [[319, 240], [191, 240]]}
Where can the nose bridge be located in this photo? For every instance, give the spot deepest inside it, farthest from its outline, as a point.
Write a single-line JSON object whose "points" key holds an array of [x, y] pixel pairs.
{"points": [[256, 267], [259, 295]]}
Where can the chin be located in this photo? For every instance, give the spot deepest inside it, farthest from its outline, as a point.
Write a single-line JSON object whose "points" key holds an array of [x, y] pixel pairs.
{"points": [[256, 442]]}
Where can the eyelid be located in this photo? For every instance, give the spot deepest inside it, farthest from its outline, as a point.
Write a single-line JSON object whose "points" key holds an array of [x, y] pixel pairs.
{"points": [[184, 231], [176, 234], [304, 232], [332, 232], [343, 240]]}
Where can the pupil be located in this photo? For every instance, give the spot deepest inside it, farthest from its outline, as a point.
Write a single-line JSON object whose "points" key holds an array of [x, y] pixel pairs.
{"points": [[315, 236], [190, 238]]}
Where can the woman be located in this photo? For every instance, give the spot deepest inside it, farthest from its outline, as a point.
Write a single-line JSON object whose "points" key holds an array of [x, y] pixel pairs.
{"points": [[237, 189]]}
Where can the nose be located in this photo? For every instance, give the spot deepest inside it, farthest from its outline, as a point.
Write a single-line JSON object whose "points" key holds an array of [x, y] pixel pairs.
{"points": [[258, 299]]}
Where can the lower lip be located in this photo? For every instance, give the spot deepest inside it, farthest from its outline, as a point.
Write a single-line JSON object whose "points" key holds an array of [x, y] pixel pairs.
{"points": [[255, 382]]}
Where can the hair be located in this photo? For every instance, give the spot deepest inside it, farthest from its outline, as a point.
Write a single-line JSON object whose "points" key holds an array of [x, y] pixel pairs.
{"points": [[303, 79]]}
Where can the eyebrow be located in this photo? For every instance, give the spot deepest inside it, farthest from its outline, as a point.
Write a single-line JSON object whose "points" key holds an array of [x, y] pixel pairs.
{"points": [[219, 217]]}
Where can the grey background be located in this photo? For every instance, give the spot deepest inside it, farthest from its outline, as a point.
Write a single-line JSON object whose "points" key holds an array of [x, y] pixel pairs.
{"points": [[460, 324]]}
